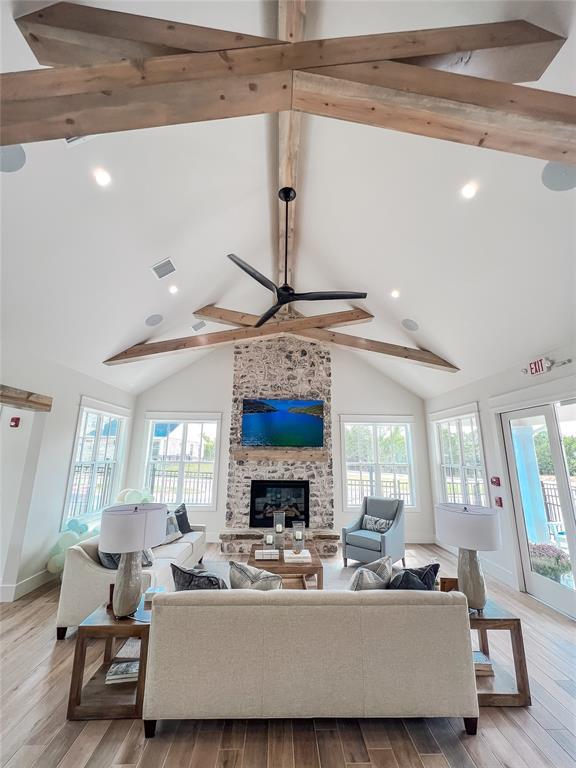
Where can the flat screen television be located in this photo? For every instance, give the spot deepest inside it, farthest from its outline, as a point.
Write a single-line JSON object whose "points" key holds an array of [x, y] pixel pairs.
{"points": [[283, 423]]}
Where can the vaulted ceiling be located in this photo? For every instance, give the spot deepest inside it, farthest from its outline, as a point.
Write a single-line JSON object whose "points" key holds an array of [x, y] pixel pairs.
{"points": [[489, 280]]}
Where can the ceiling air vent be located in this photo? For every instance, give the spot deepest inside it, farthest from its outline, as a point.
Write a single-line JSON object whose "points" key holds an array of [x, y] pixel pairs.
{"points": [[163, 268]]}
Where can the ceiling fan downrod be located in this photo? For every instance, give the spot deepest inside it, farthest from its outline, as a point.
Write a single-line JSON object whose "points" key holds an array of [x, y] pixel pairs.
{"points": [[286, 194]]}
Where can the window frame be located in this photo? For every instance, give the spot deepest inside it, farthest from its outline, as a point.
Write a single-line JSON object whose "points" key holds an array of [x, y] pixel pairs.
{"points": [[154, 417], [458, 415], [89, 405], [374, 421]]}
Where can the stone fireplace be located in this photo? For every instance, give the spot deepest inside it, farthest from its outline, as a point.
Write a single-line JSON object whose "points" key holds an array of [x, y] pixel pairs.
{"points": [[276, 368], [289, 496]]}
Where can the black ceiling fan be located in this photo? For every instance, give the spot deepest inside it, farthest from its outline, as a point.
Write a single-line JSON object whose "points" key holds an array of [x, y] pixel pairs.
{"points": [[285, 294]]}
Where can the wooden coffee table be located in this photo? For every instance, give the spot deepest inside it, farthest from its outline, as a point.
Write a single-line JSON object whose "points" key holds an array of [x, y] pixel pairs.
{"points": [[291, 570]]}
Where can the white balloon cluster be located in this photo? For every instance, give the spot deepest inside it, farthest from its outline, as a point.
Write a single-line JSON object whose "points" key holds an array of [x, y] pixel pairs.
{"points": [[134, 496]]}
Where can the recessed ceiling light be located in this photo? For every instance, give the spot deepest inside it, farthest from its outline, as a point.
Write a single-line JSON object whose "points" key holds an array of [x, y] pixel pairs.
{"points": [[101, 177], [153, 320], [410, 325], [395, 294], [173, 289], [559, 177], [469, 190]]}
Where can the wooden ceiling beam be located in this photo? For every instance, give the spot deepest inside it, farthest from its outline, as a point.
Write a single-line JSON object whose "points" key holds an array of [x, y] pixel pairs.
{"points": [[65, 81], [69, 34], [442, 105], [156, 348], [422, 356], [291, 21], [21, 398], [167, 104]]}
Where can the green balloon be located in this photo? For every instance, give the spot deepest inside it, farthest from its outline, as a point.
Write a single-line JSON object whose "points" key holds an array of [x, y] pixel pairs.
{"points": [[56, 563]]}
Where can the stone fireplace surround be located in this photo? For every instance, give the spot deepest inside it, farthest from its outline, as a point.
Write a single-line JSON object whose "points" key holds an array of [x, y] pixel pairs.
{"points": [[280, 367]]}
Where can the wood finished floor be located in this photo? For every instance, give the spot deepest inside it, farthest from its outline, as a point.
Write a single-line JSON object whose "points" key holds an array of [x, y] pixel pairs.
{"points": [[35, 675]]}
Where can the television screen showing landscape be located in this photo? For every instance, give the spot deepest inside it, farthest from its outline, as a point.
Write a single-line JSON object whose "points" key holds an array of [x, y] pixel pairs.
{"points": [[283, 423]]}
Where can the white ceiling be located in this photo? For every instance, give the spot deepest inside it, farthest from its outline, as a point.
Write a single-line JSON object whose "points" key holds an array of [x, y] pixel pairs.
{"points": [[490, 281]]}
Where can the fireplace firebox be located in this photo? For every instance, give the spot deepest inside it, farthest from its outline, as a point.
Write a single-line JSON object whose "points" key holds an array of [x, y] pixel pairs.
{"points": [[288, 496]]}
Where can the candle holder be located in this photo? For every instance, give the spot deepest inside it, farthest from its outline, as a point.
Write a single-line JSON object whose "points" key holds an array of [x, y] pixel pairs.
{"points": [[279, 526], [298, 532], [268, 541]]}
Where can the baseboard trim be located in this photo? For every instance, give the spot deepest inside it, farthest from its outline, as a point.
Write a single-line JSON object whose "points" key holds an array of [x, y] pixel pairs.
{"points": [[11, 592]]}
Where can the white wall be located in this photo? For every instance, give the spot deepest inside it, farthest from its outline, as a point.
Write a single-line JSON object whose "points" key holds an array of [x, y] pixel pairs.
{"points": [[357, 388], [39, 519], [507, 391]]}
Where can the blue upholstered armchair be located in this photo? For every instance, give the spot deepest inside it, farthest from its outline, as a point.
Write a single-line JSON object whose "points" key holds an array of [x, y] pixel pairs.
{"points": [[366, 546]]}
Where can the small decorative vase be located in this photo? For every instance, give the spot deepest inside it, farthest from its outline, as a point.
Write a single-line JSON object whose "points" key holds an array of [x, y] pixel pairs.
{"points": [[128, 587], [297, 536], [279, 526], [471, 579]]}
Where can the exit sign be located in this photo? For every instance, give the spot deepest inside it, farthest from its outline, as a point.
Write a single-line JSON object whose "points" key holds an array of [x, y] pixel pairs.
{"points": [[537, 367]]}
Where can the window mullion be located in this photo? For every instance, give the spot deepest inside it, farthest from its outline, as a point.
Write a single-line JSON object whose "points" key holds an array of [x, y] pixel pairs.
{"points": [[180, 487], [90, 501]]}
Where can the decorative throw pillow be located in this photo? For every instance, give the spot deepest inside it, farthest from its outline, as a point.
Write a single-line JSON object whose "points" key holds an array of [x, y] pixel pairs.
{"points": [[172, 529], [365, 579], [244, 576], [415, 578], [182, 519], [379, 524], [195, 578], [111, 560]]}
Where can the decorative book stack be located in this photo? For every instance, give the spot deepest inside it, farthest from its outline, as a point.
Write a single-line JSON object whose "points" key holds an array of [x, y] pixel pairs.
{"points": [[267, 554], [122, 672], [303, 556]]}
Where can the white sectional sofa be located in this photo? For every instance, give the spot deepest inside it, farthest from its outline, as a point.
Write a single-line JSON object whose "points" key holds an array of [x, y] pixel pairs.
{"points": [[291, 654], [86, 583]]}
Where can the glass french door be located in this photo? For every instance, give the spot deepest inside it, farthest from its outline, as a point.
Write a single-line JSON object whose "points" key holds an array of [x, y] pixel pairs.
{"points": [[541, 452]]}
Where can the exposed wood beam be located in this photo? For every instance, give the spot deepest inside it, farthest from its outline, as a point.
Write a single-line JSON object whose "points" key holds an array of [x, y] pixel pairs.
{"points": [[291, 20], [168, 104], [442, 105], [273, 58], [155, 348], [232, 317], [70, 34], [20, 398]]}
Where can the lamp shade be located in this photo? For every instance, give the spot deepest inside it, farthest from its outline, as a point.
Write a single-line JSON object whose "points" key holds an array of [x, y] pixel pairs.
{"points": [[132, 527], [468, 526]]}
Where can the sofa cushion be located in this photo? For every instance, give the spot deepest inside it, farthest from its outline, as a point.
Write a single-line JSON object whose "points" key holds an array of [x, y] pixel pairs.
{"points": [[196, 578], [178, 551], [182, 519], [364, 539], [194, 538], [378, 524], [415, 578], [244, 576]]}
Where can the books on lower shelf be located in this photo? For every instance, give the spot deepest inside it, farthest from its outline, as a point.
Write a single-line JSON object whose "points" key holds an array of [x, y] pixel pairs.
{"points": [[297, 557], [122, 672], [482, 665], [267, 554]]}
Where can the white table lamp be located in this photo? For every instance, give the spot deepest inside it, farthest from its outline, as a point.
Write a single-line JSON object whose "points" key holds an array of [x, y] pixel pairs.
{"points": [[471, 529], [128, 529]]}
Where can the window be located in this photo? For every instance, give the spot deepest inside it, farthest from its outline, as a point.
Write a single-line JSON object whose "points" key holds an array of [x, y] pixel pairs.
{"points": [[182, 459], [97, 461], [462, 478], [377, 462]]}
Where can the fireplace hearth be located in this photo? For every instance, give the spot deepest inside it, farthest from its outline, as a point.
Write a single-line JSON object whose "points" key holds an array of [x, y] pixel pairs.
{"points": [[288, 496]]}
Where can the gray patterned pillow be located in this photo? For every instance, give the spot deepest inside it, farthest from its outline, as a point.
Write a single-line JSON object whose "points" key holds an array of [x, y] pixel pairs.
{"points": [[195, 578], [244, 576], [381, 567], [365, 579], [111, 560], [378, 524]]}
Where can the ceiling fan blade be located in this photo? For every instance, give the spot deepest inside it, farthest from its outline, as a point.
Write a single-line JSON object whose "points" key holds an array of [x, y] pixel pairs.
{"points": [[327, 295], [262, 279], [268, 314]]}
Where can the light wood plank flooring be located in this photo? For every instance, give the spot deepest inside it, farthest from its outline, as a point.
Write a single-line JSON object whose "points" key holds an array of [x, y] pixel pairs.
{"points": [[35, 674]]}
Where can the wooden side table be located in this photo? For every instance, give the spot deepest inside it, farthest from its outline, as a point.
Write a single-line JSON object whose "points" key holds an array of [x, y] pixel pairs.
{"points": [[493, 617], [96, 700]]}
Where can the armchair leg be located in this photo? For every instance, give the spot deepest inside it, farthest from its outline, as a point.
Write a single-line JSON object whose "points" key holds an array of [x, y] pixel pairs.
{"points": [[471, 725], [345, 562], [149, 728], [61, 633], [403, 562]]}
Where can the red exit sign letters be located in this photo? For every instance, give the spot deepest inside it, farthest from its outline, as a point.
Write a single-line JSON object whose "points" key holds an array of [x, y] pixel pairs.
{"points": [[536, 367]]}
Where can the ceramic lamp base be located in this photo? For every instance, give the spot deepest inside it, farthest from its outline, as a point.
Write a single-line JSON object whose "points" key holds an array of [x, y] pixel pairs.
{"points": [[128, 587], [471, 579]]}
